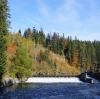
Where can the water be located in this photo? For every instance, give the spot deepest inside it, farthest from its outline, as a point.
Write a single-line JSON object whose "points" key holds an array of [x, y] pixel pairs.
{"points": [[53, 79], [55, 90]]}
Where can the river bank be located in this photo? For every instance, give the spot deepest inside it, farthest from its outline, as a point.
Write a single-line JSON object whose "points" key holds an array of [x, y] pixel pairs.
{"points": [[8, 81]]}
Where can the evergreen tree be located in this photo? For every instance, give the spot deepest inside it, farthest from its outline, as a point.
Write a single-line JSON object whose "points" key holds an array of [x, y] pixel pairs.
{"points": [[28, 33], [54, 43], [41, 37], [69, 51], [35, 36], [61, 45], [19, 32], [4, 24], [93, 55], [49, 41]]}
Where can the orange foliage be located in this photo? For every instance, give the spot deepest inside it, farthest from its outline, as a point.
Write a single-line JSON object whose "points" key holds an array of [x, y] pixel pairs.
{"points": [[14, 46], [11, 48], [51, 55], [74, 60], [56, 60], [31, 47], [31, 51], [62, 68]]}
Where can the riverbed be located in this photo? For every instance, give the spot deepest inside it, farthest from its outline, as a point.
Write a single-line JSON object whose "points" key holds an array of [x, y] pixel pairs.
{"points": [[62, 90]]}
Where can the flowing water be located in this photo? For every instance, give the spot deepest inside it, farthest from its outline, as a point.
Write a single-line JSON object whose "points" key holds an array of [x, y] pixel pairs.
{"points": [[53, 79], [59, 88]]}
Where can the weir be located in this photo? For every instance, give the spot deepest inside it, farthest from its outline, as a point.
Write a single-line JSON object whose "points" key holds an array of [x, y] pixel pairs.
{"points": [[53, 80]]}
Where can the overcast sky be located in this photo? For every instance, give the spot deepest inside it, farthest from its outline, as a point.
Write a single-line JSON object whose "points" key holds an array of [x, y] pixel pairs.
{"points": [[80, 18]]}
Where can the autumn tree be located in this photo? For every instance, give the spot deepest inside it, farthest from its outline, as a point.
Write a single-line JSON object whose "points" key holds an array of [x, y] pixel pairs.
{"points": [[22, 63]]}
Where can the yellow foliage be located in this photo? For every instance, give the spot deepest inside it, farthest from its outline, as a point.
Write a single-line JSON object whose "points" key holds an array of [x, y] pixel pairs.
{"points": [[39, 68]]}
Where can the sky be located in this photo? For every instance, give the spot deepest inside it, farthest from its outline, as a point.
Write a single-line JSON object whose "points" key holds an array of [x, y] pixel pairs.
{"points": [[80, 18]]}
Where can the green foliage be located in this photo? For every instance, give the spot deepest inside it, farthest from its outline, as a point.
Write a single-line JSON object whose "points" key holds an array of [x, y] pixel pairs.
{"points": [[55, 43], [43, 56], [88, 53], [28, 33], [83, 54], [22, 64], [4, 24]]}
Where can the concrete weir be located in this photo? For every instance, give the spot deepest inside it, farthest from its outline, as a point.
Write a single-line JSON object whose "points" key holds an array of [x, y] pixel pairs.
{"points": [[53, 80]]}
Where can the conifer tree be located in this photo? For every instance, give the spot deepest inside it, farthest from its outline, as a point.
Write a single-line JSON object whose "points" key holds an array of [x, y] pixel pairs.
{"points": [[54, 42], [28, 33], [4, 24], [69, 49], [48, 45], [41, 37], [19, 32]]}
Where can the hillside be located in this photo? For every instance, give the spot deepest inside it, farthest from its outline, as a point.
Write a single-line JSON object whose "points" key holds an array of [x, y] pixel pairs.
{"points": [[48, 63], [24, 59]]}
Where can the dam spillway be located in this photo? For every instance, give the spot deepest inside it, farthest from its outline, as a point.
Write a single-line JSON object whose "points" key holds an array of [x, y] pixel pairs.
{"points": [[53, 80]]}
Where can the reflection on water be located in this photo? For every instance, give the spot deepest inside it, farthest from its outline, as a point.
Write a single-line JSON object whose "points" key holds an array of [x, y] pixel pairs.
{"points": [[19, 86], [51, 91], [23, 86]]}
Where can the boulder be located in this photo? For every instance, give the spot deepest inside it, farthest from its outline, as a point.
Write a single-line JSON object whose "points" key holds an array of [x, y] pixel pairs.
{"points": [[83, 77], [9, 81]]}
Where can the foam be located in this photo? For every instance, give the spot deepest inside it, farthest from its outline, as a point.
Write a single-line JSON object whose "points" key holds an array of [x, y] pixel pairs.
{"points": [[53, 79]]}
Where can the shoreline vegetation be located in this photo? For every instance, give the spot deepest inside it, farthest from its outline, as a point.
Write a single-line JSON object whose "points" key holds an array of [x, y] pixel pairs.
{"points": [[23, 55]]}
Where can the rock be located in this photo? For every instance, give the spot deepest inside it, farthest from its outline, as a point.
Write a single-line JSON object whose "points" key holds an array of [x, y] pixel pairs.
{"points": [[8, 81], [83, 77], [16, 80], [23, 79], [89, 80]]}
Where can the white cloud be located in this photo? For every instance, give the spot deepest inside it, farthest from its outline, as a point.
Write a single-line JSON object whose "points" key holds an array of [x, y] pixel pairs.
{"points": [[32, 21], [44, 11], [51, 27], [73, 17], [43, 8], [67, 12]]}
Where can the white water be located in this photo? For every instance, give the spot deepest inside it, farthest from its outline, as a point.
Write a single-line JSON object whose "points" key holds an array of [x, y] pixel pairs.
{"points": [[94, 80], [53, 79]]}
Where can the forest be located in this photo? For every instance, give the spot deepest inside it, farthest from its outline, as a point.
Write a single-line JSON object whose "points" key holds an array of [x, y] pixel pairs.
{"points": [[33, 53]]}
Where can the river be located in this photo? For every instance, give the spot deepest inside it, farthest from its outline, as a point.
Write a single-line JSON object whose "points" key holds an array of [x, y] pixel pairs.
{"points": [[55, 90]]}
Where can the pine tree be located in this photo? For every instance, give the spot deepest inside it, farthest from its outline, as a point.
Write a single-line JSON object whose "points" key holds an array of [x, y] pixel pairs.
{"points": [[54, 42], [35, 36], [48, 41], [69, 51], [28, 33], [4, 24], [19, 32]]}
